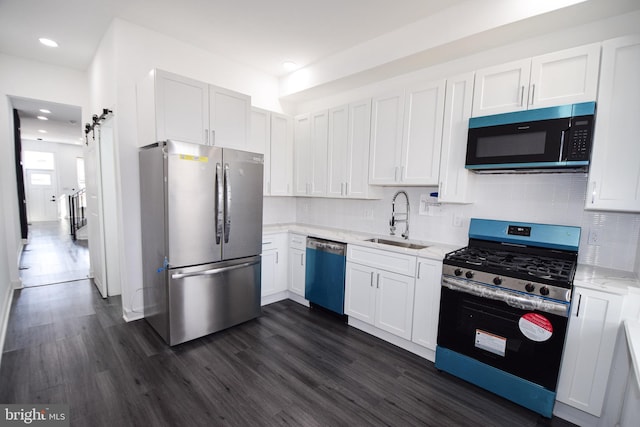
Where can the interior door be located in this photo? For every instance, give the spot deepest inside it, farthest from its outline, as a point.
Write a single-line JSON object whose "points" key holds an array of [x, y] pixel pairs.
{"points": [[42, 203]]}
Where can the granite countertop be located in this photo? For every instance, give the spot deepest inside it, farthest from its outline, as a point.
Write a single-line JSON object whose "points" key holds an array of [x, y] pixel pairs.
{"points": [[600, 278], [434, 250]]}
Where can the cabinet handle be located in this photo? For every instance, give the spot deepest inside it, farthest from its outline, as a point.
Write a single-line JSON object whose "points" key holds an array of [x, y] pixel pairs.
{"points": [[277, 258], [579, 302], [531, 95], [378, 281], [395, 174], [522, 96], [206, 137], [401, 173], [342, 188], [593, 192], [346, 188], [302, 259], [372, 273], [419, 265], [213, 137]]}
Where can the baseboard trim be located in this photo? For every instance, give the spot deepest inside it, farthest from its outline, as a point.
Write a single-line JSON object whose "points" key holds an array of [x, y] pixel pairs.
{"points": [[4, 323], [129, 315]]}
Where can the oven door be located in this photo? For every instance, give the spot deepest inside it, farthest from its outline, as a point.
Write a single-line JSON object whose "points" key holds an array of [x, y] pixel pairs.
{"points": [[524, 342], [518, 145]]}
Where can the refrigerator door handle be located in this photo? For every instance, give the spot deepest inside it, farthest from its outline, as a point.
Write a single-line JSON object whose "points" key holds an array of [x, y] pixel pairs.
{"points": [[214, 270], [219, 203], [227, 204]]}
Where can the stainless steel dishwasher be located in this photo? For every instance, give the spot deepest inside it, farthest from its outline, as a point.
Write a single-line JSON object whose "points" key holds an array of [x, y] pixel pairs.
{"points": [[325, 273]]}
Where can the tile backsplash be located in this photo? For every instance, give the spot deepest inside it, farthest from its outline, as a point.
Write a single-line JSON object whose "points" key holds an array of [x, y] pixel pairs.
{"points": [[608, 239]]}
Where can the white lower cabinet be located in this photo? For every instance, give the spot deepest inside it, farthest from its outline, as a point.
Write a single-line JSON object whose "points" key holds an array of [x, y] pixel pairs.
{"points": [[380, 297], [297, 263], [596, 317], [426, 306], [274, 263]]}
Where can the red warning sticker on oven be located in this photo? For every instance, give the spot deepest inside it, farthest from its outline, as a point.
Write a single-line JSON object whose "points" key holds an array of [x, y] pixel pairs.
{"points": [[536, 327]]}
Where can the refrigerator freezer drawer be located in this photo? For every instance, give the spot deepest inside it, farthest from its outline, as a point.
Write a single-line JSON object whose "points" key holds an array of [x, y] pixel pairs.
{"points": [[209, 298]]}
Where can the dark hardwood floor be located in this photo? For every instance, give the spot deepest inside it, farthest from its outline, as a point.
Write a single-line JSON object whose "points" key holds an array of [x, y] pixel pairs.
{"points": [[292, 366], [52, 256]]}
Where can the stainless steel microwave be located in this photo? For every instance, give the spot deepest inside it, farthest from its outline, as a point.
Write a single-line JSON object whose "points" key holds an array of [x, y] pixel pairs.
{"points": [[551, 139]]}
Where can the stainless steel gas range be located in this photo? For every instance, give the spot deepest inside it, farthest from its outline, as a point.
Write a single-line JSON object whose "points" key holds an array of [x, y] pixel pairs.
{"points": [[504, 309]]}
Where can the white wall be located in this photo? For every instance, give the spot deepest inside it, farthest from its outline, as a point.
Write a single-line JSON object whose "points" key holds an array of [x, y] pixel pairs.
{"points": [[126, 54], [28, 79]]}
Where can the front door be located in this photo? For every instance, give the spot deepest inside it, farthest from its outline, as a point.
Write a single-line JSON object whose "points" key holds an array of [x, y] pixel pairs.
{"points": [[42, 202]]}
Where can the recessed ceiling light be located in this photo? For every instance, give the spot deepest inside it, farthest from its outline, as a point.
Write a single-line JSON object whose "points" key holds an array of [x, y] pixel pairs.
{"points": [[289, 65], [42, 118], [42, 131], [44, 110], [48, 42]]}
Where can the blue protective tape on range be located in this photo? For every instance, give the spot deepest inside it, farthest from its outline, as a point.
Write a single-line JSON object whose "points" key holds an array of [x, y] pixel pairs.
{"points": [[564, 237], [504, 384]]}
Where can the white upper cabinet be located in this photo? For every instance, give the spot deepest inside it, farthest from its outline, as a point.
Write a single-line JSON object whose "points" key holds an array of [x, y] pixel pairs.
{"points": [[422, 136], [319, 153], [302, 157], [176, 107], [614, 173], [172, 107], [272, 135], [564, 77], [456, 182], [348, 169], [406, 136], [281, 168], [230, 118], [387, 113]]}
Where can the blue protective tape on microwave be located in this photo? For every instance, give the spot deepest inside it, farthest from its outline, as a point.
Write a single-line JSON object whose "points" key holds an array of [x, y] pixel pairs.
{"points": [[549, 113], [538, 165]]}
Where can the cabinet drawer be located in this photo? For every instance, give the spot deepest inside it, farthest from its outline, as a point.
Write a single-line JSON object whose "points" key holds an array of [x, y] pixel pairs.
{"points": [[297, 241], [384, 260], [274, 241]]}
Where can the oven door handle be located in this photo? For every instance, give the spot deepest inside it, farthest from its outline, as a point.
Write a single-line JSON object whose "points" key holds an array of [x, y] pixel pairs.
{"points": [[522, 302]]}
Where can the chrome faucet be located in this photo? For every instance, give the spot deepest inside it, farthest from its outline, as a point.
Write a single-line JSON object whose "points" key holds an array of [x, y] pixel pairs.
{"points": [[394, 215]]}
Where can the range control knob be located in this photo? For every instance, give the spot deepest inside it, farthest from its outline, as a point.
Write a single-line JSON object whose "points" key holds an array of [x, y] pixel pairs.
{"points": [[544, 290], [529, 287], [497, 281], [457, 272], [469, 274]]}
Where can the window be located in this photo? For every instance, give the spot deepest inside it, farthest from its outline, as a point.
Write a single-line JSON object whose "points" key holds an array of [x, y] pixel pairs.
{"points": [[37, 160], [41, 179]]}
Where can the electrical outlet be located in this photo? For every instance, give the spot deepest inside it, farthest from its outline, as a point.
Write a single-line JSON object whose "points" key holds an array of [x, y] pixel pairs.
{"points": [[368, 213], [594, 237], [457, 220]]}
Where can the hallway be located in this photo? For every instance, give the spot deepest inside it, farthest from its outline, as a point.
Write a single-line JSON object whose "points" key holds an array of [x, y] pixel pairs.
{"points": [[51, 256]]}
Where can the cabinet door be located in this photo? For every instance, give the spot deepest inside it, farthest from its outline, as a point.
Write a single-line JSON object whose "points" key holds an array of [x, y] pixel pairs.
{"points": [[565, 77], [318, 150], [357, 185], [386, 139], [182, 108], [281, 155], [502, 88], [422, 137], [338, 151], [302, 156], [426, 306], [297, 265], [456, 182], [588, 351], [260, 142], [394, 303], [360, 292], [230, 117], [614, 173], [269, 271]]}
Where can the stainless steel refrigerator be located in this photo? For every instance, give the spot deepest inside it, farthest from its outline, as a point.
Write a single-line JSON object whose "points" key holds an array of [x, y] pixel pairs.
{"points": [[201, 213]]}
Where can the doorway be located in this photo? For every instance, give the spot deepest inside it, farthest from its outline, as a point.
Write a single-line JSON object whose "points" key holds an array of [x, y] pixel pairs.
{"points": [[50, 142]]}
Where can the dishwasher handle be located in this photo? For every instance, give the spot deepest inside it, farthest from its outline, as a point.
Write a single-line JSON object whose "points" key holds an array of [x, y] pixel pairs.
{"points": [[329, 246]]}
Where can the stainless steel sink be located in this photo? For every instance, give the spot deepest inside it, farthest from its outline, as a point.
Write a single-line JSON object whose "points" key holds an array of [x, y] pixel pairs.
{"points": [[396, 243]]}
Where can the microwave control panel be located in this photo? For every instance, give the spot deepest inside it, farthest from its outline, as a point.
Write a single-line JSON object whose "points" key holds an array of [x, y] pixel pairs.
{"points": [[580, 136]]}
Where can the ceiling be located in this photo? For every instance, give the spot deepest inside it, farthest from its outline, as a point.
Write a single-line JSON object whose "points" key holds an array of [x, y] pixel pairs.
{"points": [[262, 34], [63, 125]]}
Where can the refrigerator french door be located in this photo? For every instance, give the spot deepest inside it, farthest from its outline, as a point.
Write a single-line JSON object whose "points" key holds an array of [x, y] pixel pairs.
{"points": [[202, 237]]}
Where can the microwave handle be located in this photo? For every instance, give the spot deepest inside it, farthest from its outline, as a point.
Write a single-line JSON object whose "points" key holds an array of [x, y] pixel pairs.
{"points": [[562, 154]]}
